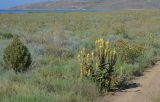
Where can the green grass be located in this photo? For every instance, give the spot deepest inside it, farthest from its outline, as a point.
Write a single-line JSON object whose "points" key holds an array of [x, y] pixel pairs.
{"points": [[54, 39]]}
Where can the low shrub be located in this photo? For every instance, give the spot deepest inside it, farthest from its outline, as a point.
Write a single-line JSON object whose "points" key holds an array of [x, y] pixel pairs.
{"points": [[129, 52], [120, 29], [17, 56], [134, 51]]}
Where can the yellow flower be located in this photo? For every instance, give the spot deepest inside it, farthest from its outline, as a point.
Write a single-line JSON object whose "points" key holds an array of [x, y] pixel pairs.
{"points": [[96, 42], [105, 52], [97, 66], [81, 73], [84, 50], [101, 40], [107, 43], [92, 53], [89, 72], [114, 51], [88, 55], [79, 56], [81, 52]]}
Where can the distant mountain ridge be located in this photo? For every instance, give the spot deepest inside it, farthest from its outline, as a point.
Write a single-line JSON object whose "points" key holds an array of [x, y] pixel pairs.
{"points": [[92, 4]]}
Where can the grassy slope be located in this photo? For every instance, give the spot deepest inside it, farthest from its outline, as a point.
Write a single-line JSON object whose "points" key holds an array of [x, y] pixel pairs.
{"points": [[54, 40]]}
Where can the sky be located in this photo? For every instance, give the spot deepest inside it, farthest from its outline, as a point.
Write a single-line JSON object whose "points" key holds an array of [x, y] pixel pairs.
{"points": [[4, 4]]}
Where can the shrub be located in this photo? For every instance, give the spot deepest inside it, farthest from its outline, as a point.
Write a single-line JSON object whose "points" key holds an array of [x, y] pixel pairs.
{"points": [[105, 58], [105, 65], [122, 48], [17, 56], [129, 52], [134, 51], [120, 29]]}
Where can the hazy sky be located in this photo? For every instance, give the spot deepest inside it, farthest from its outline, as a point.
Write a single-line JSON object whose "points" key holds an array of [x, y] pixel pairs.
{"points": [[10, 3]]}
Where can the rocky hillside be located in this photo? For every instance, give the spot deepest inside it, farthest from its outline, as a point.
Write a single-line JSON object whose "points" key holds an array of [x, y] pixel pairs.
{"points": [[94, 4]]}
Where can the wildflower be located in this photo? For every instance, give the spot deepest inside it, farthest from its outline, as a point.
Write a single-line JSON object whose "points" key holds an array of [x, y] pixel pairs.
{"points": [[106, 43], [79, 56], [89, 72], [81, 52], [97, 66], [92, 55], [101, 40], [114, 51], [88, 55]]}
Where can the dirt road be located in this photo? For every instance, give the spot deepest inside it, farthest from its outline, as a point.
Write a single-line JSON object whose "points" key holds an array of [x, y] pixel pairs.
{"points": [[148, 89]]}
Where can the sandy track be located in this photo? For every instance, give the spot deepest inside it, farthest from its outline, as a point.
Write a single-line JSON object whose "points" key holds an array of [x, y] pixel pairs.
{"points": [[149, 87]]}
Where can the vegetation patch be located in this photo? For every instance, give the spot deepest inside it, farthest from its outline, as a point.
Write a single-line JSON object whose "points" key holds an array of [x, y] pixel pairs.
{"points": [[5, 35], [54, 41]]}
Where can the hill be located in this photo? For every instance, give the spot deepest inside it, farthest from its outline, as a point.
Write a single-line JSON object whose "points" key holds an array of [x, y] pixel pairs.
{"points": [[94, 4]]}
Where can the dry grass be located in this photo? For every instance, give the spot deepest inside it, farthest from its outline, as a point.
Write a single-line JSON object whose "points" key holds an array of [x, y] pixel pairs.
{"points": [[54, 40]]}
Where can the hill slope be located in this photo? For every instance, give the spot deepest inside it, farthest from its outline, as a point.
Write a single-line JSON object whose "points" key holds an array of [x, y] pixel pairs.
{"points": [[96, 4]]}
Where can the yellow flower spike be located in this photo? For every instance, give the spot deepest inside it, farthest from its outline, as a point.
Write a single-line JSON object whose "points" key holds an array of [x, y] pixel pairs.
{"points": [[88, 55], [97, 66], [106, 43], [85, 71], [79, 56], [87, 59], [98, 41], [114, 51], [81, 52], [92, 55], [105, 52], [89, 72], [101, 40]]}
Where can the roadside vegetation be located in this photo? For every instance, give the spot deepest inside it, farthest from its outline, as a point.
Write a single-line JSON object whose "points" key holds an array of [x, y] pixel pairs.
{"points": [[54, 41]]}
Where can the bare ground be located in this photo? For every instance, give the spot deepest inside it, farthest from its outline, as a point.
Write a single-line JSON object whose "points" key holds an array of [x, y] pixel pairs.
{"points": [[148, 87]]}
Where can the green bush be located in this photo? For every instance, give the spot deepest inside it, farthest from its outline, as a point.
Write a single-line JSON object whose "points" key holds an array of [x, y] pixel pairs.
{"points": [[17, 56]]}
